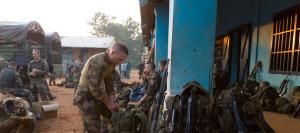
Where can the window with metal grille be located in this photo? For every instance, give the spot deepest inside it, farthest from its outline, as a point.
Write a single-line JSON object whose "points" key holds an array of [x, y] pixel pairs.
{"points": [[285, 48]]}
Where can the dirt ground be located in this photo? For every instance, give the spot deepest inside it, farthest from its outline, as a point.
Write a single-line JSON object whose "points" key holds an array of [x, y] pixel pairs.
{"points": [[68, 119]]}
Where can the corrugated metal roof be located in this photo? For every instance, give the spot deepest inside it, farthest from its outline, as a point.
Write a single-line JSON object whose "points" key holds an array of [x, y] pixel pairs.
{"points": [[87, 42]]}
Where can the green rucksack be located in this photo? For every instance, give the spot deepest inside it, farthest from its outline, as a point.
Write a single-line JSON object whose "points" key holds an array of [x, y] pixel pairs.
{"points": [[249, 112], [267, 96], [295, 98], [128, 121], [123, 98], [283, 105]]}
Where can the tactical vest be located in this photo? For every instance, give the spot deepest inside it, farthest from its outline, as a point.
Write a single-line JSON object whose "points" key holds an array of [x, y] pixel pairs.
{"points": [[37, 65], [7, 78], [128, 121]]}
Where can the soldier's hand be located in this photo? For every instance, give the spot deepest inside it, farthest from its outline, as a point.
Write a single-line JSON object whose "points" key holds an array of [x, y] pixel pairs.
{"points": [[50, 75], [138, 104], [132, 84], [35, 71], [113, 106]]}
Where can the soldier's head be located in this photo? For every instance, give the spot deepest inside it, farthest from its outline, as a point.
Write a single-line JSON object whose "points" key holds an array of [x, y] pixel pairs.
{"points": [[150, 67], [118, 53], [36, 54], [44, 57], [162, 65], [81, 57], [12, 64]]}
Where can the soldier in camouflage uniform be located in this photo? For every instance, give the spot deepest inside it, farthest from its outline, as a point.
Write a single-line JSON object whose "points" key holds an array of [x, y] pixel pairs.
{"points": [[141, 67], [151, 82], [3, 63], [76, 70], [11, 83], [50, 96], [37, 70], [92, 98]]}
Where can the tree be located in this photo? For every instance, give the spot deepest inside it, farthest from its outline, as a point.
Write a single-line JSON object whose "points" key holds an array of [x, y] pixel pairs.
{"points": [[128, 32]]}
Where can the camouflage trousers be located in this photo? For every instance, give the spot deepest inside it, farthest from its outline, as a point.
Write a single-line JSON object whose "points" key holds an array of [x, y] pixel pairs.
{"points": [[19, 92], [48, 90], [52, 79], [90, 111], [38, 87]]}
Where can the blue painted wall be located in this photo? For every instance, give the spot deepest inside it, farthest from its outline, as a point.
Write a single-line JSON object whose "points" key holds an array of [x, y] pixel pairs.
{"points": [[162, 25], [192, 42], [259, 13]]}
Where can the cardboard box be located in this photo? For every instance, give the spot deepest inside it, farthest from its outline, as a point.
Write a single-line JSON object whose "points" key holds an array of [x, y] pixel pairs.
{"points": [[45, 109]]}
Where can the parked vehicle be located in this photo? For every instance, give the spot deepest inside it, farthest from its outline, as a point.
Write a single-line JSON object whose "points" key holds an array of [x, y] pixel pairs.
{"points": [[17, 41]]}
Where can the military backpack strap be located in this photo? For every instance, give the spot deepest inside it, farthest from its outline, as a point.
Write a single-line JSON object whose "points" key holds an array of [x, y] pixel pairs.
{"points": [[143, 119]]}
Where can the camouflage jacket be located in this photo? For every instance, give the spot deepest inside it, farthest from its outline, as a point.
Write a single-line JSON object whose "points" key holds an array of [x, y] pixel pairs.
{"points": [[40, 65], [97, 69], [10, 78], [118, 82], [3, 64], [77, 68], [153, 84]]}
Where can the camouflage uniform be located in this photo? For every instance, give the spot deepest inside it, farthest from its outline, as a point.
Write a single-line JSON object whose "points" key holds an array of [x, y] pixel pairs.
{"points": [[37, 83], [3, 64], [97, 73], [141, 68], [11, 83], [50, 96], [77, 68], [152, 85]]}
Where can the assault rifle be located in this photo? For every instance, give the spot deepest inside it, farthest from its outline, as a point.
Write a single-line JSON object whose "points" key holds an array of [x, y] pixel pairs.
{"points": [[283, 86], [163, 122], [173, 121], [295, 114], [241, 127], [255, 70], [190, 121], [159, 101]]}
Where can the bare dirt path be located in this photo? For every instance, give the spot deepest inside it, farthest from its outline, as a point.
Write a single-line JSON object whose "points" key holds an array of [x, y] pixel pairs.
{"points": [[68, 119]]}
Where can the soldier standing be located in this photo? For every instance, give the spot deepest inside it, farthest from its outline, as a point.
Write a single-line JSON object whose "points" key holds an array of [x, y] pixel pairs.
{"points": [[76, 70], [3, 63], [152, 84], [11, 83], [50, 96], [37, 70], [92, 98], [141, 67]]}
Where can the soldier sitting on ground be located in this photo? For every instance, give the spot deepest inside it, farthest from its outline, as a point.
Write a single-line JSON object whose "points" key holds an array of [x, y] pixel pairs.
{"points": [[151, 84], [11, 83]]}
